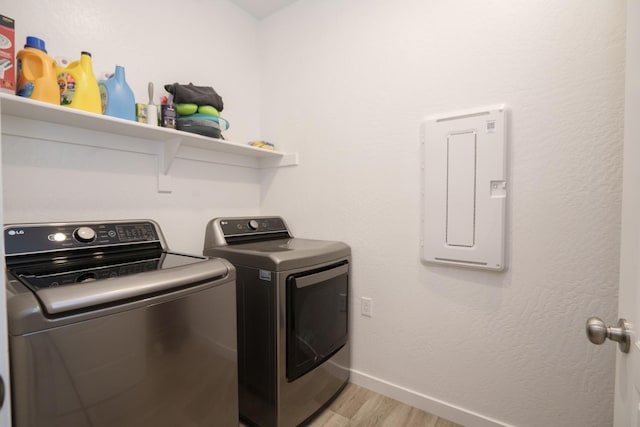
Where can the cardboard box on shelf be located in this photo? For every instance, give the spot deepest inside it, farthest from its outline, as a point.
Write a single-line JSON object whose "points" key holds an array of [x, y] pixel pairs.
{"points": [[7, 55]]}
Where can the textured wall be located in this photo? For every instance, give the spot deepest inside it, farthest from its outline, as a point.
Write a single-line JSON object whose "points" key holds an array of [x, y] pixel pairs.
{"points": [[346, 84], [47, 181]]}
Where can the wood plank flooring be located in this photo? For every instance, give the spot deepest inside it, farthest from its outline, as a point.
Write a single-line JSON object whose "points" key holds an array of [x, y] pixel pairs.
{"points": [[359, 407]]}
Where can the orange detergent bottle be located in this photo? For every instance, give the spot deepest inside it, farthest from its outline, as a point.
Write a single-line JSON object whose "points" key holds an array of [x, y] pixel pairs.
{"points": [[37, 73], [78, 85]]}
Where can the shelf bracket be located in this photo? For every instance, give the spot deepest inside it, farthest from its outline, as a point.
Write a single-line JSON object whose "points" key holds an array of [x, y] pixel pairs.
{"points": [[166, 154], [290, 159]]}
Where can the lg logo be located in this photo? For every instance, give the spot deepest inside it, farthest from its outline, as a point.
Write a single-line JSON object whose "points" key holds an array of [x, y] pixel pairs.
{"points": [[15, 232]]}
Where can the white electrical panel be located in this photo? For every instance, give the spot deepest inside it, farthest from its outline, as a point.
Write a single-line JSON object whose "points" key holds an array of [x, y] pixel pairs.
{"points": [[464, 185]]}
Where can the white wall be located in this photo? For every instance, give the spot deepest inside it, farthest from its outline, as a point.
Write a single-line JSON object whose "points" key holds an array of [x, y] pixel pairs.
{"points": [[209, 43], [346, 84]]}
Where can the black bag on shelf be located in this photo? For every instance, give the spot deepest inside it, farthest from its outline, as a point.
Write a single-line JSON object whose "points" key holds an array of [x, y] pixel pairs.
{"points": [[191, 94]]}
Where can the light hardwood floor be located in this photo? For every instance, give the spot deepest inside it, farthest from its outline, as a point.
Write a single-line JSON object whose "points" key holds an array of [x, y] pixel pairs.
{"points": [[359, 407]]}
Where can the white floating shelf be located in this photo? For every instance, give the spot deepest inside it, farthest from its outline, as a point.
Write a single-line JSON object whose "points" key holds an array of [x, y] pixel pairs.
{"points": [[33, 119]]}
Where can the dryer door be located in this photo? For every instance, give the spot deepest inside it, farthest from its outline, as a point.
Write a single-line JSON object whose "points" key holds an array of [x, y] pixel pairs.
{"points": [[317, 317]]}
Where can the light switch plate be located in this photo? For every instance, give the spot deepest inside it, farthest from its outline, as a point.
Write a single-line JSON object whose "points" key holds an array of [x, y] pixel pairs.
{"points": [[464, 187]]}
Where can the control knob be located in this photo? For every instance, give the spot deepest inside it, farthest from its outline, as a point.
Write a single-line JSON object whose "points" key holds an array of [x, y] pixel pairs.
{"points": [[253, 224], [84, 234]]}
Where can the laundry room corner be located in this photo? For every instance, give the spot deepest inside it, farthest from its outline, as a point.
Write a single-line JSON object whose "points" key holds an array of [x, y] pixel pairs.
{"points": [[341, 90], [351, 89]]}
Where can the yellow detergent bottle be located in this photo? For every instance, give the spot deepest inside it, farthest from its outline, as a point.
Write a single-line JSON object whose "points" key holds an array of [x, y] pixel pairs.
{"points": [[37, 73], [78, 85]]}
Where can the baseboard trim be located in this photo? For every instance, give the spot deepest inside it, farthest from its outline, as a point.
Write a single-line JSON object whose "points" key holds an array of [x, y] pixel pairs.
{"points": [[421, 401]]}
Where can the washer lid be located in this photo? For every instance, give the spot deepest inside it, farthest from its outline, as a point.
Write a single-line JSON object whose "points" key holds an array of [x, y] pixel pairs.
{"points": [[94, 268], [86, 295], [282, 254]]}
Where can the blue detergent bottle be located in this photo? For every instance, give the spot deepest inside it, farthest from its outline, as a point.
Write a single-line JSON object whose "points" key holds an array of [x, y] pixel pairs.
{"points": [[117, 97]]}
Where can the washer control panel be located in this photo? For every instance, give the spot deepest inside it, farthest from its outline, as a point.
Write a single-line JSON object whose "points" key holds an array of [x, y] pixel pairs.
{"points": [[34, 238], [257, 225]]}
